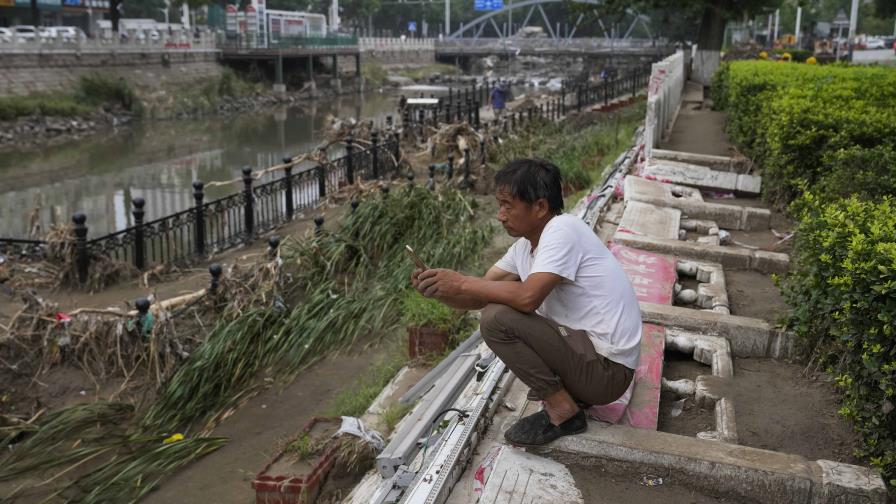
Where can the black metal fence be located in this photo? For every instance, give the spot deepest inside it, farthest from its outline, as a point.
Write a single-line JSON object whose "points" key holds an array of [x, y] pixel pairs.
{"points": [[465, 104], [213, 226], [608, 90]]}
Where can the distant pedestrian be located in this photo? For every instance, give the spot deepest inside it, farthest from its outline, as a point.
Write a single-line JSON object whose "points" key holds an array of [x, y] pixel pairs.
{"points": [[498, 98]]}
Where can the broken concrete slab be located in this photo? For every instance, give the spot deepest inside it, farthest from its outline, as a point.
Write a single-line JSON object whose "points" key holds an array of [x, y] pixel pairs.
{"points": [[723, 163], [694, 175], [748, 337], [744, 473], [691, 204], [727, 256], [511, 476], [650, 220], [652, 275]]}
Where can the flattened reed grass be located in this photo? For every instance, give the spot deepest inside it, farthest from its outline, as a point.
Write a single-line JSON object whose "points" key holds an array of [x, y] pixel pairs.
{"points": [[346, 284]]}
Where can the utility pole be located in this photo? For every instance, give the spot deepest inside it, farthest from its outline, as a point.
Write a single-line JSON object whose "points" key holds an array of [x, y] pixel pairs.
{"points": [[447, 18], [853, 21], [799, 14], [510, 19], [334, 15], [777, 21]]}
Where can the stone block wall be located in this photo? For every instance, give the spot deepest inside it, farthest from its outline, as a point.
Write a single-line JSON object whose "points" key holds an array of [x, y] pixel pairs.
{"points": [[28, 73]]}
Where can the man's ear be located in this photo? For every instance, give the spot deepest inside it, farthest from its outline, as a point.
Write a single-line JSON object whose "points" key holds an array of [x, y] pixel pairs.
{"points": [[542, 208]]}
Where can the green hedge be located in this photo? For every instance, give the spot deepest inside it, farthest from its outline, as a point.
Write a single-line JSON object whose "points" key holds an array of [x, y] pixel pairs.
{"points": [[825, 139], [842, 288], [790, 118]]}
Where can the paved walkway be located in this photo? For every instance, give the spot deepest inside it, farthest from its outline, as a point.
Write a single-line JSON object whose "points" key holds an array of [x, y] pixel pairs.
{"points": [[700, 130]]}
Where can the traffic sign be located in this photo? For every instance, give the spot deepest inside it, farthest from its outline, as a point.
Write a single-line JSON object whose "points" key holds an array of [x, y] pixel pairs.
{"points": [[412, 26], [488, 5]]}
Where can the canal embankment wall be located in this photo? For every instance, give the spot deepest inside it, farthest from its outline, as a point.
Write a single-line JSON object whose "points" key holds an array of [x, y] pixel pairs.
{"points": [[59, 71]]}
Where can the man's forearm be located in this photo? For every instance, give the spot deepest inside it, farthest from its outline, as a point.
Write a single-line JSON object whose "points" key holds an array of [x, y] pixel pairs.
{"points": [[463, 302], [510, 293]]}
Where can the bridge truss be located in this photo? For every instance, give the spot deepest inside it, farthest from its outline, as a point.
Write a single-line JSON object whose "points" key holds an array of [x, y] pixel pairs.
{"points": [[478, 25]]}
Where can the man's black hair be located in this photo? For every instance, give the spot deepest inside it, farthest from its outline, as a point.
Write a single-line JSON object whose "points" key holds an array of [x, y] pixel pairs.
{"points": [[529, 180]]}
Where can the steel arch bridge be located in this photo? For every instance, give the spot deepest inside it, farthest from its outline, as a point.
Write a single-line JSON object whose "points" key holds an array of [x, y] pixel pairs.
{"points": [[488, 19]]}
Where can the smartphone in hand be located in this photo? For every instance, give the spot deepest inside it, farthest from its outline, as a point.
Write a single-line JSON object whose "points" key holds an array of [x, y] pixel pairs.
{"points": [[414, 257]]}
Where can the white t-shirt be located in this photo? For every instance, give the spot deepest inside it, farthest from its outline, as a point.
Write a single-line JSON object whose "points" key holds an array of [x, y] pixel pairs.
{"points": [[595, 294]]}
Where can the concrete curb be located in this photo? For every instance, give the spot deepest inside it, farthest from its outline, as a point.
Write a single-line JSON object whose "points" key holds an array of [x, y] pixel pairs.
{"points": [[748, 474]]}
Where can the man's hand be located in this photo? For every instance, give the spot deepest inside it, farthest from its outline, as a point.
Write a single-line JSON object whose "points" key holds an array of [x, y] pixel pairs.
{"points": [[439, 283], [415, 277]]}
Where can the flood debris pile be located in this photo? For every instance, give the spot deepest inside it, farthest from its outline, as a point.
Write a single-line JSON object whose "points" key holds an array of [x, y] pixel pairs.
{"points": [[199, 359]]}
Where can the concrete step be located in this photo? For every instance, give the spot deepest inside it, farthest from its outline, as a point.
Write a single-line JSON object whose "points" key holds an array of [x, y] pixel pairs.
{"points": [[741, 473]]}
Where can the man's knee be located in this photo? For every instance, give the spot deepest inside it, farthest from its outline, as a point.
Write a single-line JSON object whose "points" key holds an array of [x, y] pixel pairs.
{"points": [[494, 319]]}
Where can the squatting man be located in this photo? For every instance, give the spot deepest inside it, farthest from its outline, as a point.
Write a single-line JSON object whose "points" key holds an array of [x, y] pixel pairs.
{"points": [[557, 309]]}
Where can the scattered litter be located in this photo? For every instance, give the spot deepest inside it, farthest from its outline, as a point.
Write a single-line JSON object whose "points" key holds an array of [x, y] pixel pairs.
{"points": [[724, 237], [83, 392], [355, 427], [678, 407], [744, 245], [650, 480]]}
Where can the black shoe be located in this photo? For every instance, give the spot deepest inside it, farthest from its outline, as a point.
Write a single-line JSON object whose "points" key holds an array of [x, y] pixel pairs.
{"points": [[537, 429]]}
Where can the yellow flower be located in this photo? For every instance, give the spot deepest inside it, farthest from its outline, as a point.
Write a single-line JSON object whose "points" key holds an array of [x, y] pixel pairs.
{"points": [[786, 57], [173, 438], [763, 55], [811, 60]]}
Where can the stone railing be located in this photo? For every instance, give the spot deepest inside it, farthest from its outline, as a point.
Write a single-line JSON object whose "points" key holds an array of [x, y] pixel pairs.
{"points": [[127, 42], [546, 44], [396, 44], [663, 98]]}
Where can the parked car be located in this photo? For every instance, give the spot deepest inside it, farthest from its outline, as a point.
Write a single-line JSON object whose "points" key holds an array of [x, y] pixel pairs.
{"points": [[27, 32], [67, 33], [875, 43], [5, 35]]}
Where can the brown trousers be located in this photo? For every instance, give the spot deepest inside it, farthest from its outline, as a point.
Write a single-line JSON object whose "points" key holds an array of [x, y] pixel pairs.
{"points": [[548, 357]]}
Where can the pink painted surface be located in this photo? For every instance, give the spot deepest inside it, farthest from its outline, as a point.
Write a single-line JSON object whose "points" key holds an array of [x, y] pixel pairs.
{"points": [[652, 275], [639, 406]]}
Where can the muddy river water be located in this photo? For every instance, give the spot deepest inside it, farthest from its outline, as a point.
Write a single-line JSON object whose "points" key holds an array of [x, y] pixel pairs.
{"points": [[159, 160]]}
